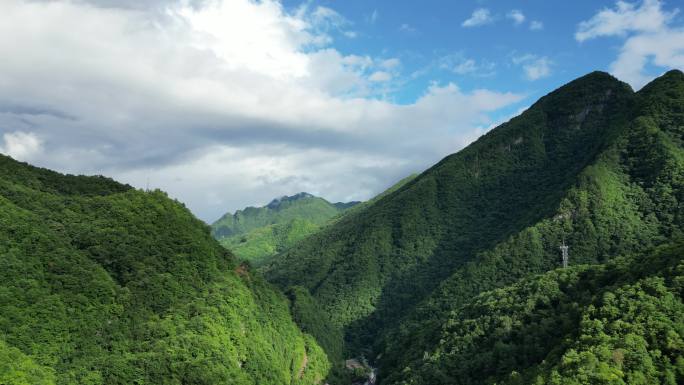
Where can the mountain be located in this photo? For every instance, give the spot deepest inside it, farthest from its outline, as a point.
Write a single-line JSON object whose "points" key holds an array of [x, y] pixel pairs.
{"points": [[257, 233], [104, 284], [593, 164]]}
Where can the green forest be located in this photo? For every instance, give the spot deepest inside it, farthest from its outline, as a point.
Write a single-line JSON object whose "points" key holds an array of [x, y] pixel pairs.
{"points": [[618, 323], [452, 276], [104, 284]]}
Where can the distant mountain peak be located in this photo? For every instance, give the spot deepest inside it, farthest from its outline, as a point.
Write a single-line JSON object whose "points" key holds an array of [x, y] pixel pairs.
{"points": [[281, 210], [276, 202], [258, 233], [674, 72]]}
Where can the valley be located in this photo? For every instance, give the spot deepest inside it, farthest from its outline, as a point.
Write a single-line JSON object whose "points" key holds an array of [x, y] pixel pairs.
{"points": [[315, 192]]}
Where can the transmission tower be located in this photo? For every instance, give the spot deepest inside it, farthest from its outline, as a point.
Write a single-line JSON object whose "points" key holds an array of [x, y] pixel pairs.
{"points": [[564, 254]]}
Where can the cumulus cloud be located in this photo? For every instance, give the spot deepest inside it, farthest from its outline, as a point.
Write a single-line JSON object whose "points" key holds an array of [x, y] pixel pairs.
{"points": [[626, 17], [323, 20], [534, 67], [135, 4], [537, 69], [650, 38], [465, 67], [462, 65], [536, 25], [380, 76], [220, 103], [407, 28], [21, 145], [391, 63], [517, 16], [339, 166], [480, 16]]}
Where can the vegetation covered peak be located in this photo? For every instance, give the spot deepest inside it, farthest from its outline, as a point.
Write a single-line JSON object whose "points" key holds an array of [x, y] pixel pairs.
{"points": [[257, 233], [276, 203], [280, 210]]}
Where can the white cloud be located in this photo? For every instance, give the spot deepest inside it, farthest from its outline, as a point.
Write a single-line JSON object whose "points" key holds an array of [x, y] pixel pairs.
{"points": [[534, 67], [650, 39], [536, 25], [537, 69], [465, 67], [380, 76], [664, 49], [254, 36], [322, 21], [357, 61], [480, 16], [461, 65], [404, 139], [407, 28], [21, 145], [517, 16], [222, 103], [327, 17], [390, 63], [373, 17], [626, 17]]}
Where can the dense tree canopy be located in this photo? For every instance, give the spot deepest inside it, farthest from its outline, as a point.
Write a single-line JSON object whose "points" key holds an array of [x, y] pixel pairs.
{"points": [[104, 284], [619, 323]]}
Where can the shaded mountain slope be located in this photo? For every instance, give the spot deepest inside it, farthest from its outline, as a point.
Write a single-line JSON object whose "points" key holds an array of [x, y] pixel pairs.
{"points": [[627, 202], [257, 233], [592, 162], [411, 239], [104, 284]]}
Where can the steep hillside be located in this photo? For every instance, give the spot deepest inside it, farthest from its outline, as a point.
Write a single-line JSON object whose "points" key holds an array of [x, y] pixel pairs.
{"points": [[256, 233], [626, 202], [104, 284], [592, 163], [619, 323]]}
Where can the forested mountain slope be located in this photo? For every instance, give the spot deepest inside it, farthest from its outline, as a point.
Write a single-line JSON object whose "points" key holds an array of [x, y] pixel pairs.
{"points": [[618, 323], [630, 200], [256, 233], [592, 163], [104, 284]]}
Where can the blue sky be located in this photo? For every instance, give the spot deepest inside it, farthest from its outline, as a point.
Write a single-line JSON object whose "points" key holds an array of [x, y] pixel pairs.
{"points": [[230, 103], [430, 40]]}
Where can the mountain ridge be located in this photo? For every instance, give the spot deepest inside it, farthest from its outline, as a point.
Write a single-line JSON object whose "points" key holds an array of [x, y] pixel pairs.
{"points": [[470, 157]]}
